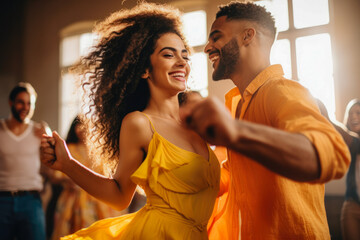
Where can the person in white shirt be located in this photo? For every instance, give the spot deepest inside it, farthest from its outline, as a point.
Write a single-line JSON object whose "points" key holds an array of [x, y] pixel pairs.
{"points": [[21, 212]]}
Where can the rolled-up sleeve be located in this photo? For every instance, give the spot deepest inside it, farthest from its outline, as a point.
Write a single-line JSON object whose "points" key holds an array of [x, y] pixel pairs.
{"points": [[299, 113]]}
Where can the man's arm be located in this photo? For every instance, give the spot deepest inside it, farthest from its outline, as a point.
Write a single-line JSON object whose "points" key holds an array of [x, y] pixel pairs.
{"points": [[289, 154]]}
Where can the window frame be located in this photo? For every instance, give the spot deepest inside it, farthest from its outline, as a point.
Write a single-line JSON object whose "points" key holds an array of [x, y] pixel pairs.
{"points": [[293, 33]]}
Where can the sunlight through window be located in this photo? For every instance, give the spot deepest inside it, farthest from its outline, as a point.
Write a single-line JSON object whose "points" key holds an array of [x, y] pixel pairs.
{"points": [[309, 13], [314, 61], [196, 36], [279, 9], [198, 77], [280, 54], [195, 27]]}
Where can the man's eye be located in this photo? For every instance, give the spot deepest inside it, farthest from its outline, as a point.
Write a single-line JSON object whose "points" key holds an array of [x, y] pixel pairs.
{"points": [[186, 58], [168, 55]]}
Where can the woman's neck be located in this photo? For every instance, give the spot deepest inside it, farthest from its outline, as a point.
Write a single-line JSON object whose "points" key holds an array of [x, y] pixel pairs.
{"points": [[163, 107]]}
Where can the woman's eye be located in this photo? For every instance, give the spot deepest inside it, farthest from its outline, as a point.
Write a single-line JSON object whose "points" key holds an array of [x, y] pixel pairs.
{"points": [[168, 55]]}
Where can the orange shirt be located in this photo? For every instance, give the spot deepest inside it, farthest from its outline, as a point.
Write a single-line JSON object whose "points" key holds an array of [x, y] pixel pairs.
{"points": [[263, 204]]}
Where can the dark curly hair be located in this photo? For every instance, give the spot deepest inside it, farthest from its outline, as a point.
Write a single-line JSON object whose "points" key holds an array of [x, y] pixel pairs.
{"points": [[248, 11], [114, 67]]}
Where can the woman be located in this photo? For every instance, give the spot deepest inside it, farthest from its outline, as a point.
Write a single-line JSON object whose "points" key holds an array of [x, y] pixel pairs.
{"points": [[75, 208], [135, 72], [350, 213]]}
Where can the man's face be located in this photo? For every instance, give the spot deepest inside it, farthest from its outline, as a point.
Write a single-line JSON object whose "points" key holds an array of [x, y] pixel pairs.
{"points": [[22, 108], [223, 48]]}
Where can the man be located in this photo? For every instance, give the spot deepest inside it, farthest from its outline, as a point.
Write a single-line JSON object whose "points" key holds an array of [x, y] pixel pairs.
{"points": [[21, 212], [281, 150]]}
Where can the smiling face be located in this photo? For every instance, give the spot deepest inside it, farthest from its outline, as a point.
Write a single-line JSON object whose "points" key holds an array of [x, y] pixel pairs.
{"points": [[223, 48], [22, 108], [354, 118], [169, 62]]}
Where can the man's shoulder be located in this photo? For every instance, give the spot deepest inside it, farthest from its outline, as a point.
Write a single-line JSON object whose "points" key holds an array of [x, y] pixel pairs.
{"points": [[284, 86], [283, 82]]}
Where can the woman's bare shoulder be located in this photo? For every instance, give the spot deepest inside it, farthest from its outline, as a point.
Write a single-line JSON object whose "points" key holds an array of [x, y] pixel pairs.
{"points": [[136, 124], [135, 120]]}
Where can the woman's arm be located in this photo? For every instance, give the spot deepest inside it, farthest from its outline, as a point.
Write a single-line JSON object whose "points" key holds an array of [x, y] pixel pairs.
{"points": [[347, 135], [133, 138]]}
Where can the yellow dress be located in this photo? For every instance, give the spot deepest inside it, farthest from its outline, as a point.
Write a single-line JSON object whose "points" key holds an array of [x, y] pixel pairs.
{"points": [[181, 188]]}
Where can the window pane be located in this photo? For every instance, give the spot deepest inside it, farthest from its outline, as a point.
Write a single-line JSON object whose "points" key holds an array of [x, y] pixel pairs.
{"points": [[69, 112], [309, 13], [87, 40], [198, 79], [69, 88], [279, 10], [70, 101], [315, 68], [195, 27], [69, 51], [280, 54]]}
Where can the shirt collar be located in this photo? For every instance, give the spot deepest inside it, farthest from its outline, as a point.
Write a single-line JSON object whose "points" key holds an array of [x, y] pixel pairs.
{"points": [[233, 96]]}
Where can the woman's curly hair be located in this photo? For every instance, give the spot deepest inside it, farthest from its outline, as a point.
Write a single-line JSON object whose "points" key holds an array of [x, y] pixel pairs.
{"points": [[112, 71]]}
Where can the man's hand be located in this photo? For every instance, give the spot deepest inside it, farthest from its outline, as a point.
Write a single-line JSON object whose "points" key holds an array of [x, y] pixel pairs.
{"points": [[211, 120]]}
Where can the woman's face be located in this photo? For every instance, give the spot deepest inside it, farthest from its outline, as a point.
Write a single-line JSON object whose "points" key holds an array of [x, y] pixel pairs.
{"points": [[170, 67], [354, 118]]}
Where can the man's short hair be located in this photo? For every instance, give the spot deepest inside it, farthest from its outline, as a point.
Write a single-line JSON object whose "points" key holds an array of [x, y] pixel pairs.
{"points": [[248, 11], [22, 87]]}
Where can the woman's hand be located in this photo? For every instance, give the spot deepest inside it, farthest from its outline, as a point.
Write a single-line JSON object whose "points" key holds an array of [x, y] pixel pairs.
{"points": [[54, 152]]}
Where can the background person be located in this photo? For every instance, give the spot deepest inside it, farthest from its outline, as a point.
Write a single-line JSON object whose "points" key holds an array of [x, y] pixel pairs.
{"points": [[350, 212], [21, 211]]}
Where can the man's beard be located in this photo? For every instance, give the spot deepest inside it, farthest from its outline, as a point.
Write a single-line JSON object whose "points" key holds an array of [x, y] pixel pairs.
{"points": [[228, 60], [16, 115]]}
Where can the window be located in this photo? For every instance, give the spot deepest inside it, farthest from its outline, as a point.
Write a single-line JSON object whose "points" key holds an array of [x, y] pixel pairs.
{"points": [[197, 37], [71, 94], [303, 45]]}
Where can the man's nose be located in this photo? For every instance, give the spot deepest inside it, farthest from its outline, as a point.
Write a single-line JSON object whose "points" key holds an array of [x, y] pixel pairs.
{"points": [[207, 48]]}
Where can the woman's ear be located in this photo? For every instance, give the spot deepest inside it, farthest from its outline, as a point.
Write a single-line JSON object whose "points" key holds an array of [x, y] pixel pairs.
{"points": [[145, 75]]}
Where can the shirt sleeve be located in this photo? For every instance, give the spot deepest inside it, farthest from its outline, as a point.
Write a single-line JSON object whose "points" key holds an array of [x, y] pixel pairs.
{"points": [[293, 109]]}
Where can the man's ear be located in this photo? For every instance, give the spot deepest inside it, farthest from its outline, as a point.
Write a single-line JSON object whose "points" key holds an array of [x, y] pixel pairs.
{"points": [[248, 36], [145, 75]]}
